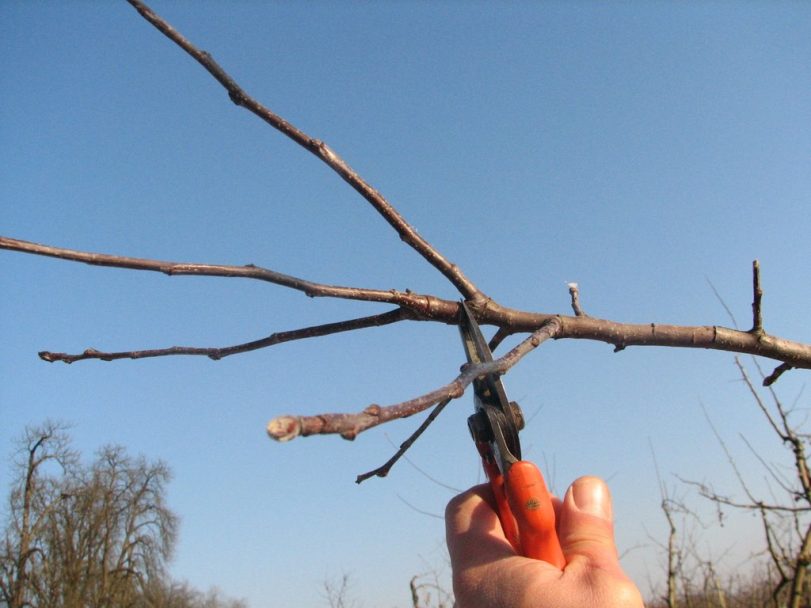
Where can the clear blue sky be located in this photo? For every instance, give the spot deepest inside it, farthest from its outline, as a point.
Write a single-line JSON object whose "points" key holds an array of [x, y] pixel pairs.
{"points": [[636, 148]]}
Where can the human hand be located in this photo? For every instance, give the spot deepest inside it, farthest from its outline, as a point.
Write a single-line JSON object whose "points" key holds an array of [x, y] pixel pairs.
{"points": [[487, 572]]}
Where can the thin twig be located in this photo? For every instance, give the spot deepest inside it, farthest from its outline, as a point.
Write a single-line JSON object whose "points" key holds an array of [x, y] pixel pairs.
{"points": [[757, 296], [217, 353], [321, 150], [771, 470], [755, 505], [384, 469], [723, 303], [423, 305], [425, 473], [761, 405], [417, 509], [574, 292]]}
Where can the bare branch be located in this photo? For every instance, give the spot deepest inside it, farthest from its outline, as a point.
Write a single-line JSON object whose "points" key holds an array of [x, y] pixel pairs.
{"points": [[217, 353], [778, 371], [714, 337], [757, 315], [418, 303], [384, 469], [502, 334], [321, 150], [425, 473], [509, 320], [762, 406], [730, 459], [723, 303], [574, 292], [410, 306], [755, 505], [285, 428], [417, 509], [772, 547], [772, 471]]}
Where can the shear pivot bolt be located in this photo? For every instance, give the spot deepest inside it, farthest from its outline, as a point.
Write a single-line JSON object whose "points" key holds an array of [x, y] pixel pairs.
{"points": [[518, 415], [479, 427]]}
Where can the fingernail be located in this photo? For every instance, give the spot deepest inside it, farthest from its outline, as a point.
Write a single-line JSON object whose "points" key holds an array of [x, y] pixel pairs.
{"points": [[590, 495]]}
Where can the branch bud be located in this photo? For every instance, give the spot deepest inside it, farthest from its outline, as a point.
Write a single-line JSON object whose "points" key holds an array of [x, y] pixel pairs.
{"points": [[284, 428]]}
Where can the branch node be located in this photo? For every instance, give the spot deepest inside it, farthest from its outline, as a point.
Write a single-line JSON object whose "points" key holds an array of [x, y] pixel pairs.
{"points": [[457, 391], [372, 410], [349, 435], [619, 347], [237, 96]]}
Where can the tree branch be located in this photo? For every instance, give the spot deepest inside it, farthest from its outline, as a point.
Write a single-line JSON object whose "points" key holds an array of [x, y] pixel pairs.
{"points": [[757, 296], [423, 306], [348, 426], [502, 334], [384, 469], [508, 321], [321, 150], [755, 505], [217, 353], [574, 292], [428, 307]]}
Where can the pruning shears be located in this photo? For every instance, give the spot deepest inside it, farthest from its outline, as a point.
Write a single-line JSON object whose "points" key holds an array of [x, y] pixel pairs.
{"points": [[523, 500]]}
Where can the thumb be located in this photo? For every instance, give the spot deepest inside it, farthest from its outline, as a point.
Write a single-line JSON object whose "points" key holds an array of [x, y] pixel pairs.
{"points": [[586, 529]]}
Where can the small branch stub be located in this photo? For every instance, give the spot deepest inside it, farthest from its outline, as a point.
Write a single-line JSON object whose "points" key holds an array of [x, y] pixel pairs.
{"points": [[778, 371], [757, 296], [574, 292]]}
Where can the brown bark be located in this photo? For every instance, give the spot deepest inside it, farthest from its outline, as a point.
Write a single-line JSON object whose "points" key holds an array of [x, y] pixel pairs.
{"points": [[410, 306]]}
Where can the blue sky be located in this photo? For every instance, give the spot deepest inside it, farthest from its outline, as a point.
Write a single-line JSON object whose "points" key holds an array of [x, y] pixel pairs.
{"points": [[639, 149]]}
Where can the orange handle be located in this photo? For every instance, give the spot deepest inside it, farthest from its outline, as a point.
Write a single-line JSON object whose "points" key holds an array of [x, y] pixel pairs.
{"points": [[505, 516], [531, 505]]}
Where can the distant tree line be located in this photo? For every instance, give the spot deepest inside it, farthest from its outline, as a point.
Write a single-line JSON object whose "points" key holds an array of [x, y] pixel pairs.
{"points": [[78, 535]]}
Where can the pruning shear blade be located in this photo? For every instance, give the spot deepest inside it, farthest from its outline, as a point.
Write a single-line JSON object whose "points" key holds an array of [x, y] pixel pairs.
{"points": [[523, 501]]}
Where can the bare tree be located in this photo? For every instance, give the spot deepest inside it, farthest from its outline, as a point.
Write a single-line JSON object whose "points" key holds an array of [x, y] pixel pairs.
{"points": [[674, 553], [785, 515], [776, 575], [685, 568], [338, 592], [30, 505], [407, 305], [84, 536], [427, 591]]}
